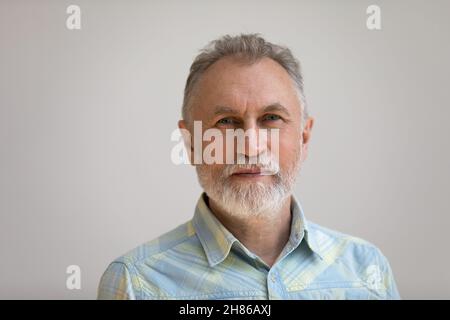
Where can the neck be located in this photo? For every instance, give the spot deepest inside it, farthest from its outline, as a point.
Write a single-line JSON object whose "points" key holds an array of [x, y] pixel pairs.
{"points": [[264, 235]]}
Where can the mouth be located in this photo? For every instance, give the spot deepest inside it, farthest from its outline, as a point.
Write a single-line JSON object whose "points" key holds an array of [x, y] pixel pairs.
{"points": [[247, 171], [250, 173]]}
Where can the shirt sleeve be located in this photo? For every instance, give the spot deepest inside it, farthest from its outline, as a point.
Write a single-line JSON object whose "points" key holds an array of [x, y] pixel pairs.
{"points": [[117, 283], [389, 281]]}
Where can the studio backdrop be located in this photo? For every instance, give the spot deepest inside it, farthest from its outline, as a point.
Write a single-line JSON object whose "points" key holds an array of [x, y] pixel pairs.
{"points": [[91, 92]]}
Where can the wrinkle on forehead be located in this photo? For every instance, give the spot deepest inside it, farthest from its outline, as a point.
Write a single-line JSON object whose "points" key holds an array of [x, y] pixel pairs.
{"points": [[247, 87]]}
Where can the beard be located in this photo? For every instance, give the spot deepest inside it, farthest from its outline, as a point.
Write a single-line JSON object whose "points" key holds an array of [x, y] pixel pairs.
{"points": [[249, 198]]}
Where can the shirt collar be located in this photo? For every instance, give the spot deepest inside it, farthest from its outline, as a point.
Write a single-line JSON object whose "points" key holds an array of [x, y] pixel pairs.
{"points": [[217, 241], [302, 229]]}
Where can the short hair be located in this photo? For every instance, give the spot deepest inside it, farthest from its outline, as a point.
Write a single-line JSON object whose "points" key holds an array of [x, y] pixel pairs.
{"points": [[249, 48]]}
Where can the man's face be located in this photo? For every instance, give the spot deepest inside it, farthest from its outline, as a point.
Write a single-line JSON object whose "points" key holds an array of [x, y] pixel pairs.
{"points": [[235, 95]]}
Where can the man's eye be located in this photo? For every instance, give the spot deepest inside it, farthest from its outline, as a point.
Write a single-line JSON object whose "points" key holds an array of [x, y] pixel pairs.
{"points": [[272, 117], [225, 121]]}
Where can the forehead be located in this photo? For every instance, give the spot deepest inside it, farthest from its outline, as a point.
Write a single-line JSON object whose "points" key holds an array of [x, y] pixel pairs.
{"points": [[245, 86]]}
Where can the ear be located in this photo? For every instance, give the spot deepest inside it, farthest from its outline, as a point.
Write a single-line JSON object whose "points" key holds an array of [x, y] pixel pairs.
{"points": [[182, 124], [306, 136], [187, 139]]}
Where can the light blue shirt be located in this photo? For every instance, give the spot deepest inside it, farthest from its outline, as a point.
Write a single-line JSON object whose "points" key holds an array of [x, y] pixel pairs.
{"points": [[201, 259]]}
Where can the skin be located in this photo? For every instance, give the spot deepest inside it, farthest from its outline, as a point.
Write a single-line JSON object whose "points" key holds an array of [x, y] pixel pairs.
{"points": [[246, 91]]}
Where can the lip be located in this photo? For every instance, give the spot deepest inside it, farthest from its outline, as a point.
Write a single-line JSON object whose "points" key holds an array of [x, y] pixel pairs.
{"points": [[254, 173], [248, 172], [248, 176]]}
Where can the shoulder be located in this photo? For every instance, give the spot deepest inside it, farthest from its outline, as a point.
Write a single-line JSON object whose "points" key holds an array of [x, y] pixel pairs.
{"points": [[182, 235], [124, 277], [356, 258], [356, 253]]}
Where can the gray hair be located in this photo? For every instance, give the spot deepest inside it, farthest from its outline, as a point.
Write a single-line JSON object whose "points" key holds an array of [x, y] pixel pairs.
{"points": [[248, 47]]}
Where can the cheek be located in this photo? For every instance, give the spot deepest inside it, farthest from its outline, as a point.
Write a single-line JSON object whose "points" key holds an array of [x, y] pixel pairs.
{"points": [[214, 170], [289, 149], [217, 150]]}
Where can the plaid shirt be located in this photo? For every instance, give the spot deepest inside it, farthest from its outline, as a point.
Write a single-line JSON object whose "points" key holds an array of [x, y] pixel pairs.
{"points": [[201, 259]]}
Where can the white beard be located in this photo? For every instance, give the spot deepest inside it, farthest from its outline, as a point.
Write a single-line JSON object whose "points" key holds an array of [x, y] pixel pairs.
{"points": [[248, 199]]}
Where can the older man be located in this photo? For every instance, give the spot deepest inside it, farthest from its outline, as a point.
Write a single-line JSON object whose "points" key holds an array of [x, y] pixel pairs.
{"points": [[249, 238]]}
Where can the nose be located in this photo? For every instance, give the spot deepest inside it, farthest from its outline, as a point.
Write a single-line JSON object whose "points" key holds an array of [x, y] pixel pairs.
{"points": [[255, 140]]}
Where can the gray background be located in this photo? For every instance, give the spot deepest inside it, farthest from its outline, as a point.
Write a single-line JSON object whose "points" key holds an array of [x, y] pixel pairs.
{"points": [[86, 118]]}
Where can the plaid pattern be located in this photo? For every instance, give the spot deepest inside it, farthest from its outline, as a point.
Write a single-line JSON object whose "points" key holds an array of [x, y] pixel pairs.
{"points": [[201, 259]]}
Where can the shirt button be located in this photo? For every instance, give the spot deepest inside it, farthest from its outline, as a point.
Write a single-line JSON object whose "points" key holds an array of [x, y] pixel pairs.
{"points": [[272, 277]]}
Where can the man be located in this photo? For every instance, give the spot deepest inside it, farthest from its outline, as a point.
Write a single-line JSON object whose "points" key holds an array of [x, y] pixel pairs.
{"points": [[249, 238]]}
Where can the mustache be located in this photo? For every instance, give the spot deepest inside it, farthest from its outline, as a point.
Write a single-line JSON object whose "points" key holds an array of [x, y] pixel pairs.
{"points": [[264, 164]]}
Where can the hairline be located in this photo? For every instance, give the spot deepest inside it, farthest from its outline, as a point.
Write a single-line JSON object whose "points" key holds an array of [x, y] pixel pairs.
{"points": [[245, 60]]}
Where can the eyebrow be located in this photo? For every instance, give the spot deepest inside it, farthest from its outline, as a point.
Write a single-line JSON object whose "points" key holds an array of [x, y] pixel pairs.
{"points": [[224, 109], [277, 107], [270, 108]]}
